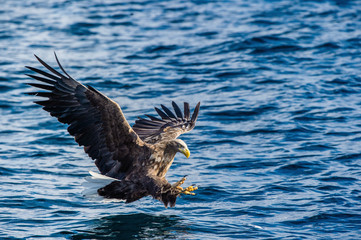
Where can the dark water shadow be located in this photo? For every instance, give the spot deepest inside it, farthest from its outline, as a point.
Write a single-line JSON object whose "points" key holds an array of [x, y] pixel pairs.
{"points": [[134, 226]]}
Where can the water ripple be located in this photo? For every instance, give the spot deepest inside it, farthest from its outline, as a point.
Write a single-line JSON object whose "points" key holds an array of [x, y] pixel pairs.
{"points": [[276, 150]]}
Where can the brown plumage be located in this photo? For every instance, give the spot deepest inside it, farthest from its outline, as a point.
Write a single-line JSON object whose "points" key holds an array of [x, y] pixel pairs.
{"points": [[139, 157]]}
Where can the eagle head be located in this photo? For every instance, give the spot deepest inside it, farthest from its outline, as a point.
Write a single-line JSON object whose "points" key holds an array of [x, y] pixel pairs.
{"points": [[178, 145]]}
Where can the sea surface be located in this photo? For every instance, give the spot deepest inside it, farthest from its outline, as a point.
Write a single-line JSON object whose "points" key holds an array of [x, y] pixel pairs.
{"points": [[277, 147]]}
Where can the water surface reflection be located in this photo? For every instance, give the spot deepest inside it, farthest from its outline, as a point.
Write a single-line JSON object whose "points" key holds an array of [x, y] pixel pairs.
{"points": [[134, 226]]}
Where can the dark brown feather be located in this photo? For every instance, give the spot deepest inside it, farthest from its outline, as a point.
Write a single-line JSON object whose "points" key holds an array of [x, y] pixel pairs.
{"points": [[186, 110], [169, 127], [96, 122], [177, 110]]}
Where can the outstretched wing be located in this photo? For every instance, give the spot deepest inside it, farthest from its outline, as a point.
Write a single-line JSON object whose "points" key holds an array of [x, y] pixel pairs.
{"points": [[170, 126], [96, 122]]}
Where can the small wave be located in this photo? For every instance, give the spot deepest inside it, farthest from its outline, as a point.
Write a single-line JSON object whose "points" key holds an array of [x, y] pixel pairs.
{"points": [[349, 157], [324, 218], [301, 168], [341, 180]]}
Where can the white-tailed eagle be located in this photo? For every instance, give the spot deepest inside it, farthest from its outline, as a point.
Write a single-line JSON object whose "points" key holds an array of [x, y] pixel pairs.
{"points": [[137, 157]]}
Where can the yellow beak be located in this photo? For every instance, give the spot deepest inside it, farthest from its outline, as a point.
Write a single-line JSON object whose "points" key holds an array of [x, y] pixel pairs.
{"points": [[186, 152]]}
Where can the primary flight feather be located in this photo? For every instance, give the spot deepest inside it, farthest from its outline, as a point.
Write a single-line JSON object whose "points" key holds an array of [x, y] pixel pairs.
{"points": [[136, 158]]}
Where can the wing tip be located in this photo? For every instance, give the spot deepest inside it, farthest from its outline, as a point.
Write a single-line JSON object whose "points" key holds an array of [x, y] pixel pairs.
{"points": [[195, 113], [38, 58], [177, 110], [186, 110]]}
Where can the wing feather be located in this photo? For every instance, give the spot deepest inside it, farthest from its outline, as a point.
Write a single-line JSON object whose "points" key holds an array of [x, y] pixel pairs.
{"points": [[171, 125], [154, 119], [162, 114], [169, 112], [186, 110], [43, 73], [42, 86], [95, 121], [41, 79], [177, 110], [195, 113]]}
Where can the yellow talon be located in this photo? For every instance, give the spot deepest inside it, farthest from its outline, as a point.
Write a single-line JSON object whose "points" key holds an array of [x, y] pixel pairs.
{"points": [[179, 188], [188, 193], [189, 190]]}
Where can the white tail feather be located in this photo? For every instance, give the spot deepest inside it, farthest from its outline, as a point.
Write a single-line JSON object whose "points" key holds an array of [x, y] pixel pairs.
{"points": [[93, 183], [101, 176]]}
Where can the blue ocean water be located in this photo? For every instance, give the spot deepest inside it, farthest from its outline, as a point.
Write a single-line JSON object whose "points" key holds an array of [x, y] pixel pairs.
{"points": [[277, 146]]}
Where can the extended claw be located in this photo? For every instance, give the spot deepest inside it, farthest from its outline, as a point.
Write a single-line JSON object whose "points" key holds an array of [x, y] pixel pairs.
{"points": [[189, 190], [180, 182]]}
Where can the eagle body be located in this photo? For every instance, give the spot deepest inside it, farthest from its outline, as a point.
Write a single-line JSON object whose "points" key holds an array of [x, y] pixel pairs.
{"points": [[137, 157], [132, 188]]}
